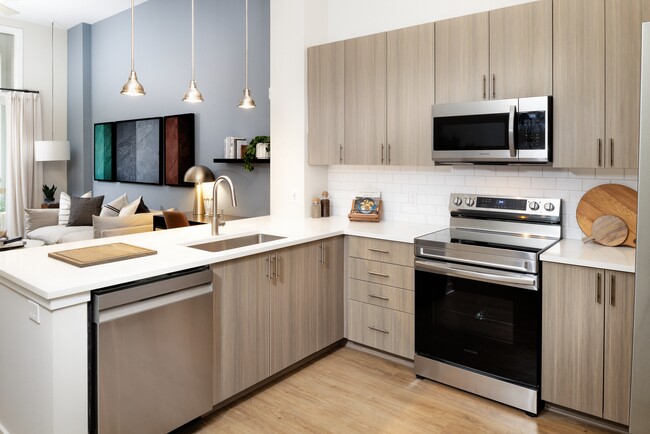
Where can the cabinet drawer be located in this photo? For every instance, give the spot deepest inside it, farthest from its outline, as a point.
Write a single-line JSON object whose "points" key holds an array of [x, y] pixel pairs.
{"points": [[379, 272], [381, 295], [384, 329], [381, 250]]}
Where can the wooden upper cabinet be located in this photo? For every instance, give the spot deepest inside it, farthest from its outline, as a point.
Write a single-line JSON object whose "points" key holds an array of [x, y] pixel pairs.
{"points": [[578, 83], [410, 78], [462, 59], [521, 54], [622, 82], [365, 100], [596, 79], [326, 103]]}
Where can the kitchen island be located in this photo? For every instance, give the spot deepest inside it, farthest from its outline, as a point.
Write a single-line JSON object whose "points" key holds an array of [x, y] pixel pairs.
{"points": [[44, 307]]}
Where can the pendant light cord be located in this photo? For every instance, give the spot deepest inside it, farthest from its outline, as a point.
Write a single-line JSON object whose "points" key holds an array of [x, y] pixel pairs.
{"points": [[132, 37], [192, 40], [52, 103], [246, 44]]}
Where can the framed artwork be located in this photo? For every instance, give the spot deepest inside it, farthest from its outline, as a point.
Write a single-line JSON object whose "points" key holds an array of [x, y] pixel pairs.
{"points": [[179, 148], [104, 151], [138, 150]]}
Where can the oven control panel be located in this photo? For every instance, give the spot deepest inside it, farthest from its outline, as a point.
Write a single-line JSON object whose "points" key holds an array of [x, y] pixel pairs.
{"points": [[473, 204]]}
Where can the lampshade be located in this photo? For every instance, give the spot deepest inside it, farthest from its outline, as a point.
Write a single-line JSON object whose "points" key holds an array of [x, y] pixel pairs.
{"points": [[132, 87], [198, 174], [52, 150], [193, 94], [247, 101]]}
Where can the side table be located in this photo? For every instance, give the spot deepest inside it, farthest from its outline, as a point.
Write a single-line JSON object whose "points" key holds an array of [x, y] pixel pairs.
{"points": [[45, 205]]}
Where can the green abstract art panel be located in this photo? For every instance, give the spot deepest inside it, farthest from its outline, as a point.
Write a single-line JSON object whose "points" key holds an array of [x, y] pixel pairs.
{"points": [[105, 152]]}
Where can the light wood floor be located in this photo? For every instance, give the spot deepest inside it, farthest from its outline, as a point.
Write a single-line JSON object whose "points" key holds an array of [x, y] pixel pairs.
{"points": [[350, 391]]}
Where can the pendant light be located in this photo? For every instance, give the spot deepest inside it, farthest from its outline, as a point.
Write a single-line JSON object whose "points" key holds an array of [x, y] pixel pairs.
{"points": [[132, 86], [193, 94], [247, 102], [52, 150]]}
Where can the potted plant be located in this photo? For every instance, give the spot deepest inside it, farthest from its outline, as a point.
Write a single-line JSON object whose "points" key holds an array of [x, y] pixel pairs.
{"points": [[262, 143], [49, 192]]}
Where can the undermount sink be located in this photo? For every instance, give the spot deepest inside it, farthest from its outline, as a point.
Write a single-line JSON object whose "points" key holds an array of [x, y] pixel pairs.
{"points": [[233, 243]]}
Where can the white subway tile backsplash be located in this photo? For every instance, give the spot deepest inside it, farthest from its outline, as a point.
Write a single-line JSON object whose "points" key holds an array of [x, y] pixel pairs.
{"points": [[432, 186]]}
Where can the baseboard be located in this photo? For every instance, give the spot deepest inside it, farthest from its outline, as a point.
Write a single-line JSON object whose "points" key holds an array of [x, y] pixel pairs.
{"points": [[586, 418], [382, 354]]}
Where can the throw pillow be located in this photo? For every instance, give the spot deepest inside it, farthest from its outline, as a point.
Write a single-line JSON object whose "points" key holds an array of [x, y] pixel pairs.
{"points": [[130, 208], [64, 206], [112, 209], [83, 209], [142, 208]]}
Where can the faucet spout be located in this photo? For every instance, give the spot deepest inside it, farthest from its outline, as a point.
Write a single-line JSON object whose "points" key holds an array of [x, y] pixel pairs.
{"points": [[216, 216]]}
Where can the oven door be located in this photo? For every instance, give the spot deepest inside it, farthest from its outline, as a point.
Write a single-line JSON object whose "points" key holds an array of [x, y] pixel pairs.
{"points": [[485, 320]]}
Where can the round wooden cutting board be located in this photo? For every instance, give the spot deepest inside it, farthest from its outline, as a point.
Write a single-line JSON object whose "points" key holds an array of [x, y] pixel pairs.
{"points": [[608, 199]]}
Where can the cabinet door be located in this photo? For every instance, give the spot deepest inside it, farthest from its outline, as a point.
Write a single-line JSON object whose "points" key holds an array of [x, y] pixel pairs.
{"points": [[578, 83], [241, 325], [521, 55], [365, 100], [462, 58], [330, 291], [619, 326], [294, 305], [623, 74], [573, 321], [409, 95], [326, 103]]}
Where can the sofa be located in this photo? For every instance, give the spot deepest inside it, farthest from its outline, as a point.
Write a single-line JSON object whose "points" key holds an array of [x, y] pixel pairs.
{"points": [[86, 217], [42, 224]]}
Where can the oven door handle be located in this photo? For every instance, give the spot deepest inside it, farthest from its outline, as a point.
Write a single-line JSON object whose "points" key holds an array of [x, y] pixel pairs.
{"points": [[455, 270]]}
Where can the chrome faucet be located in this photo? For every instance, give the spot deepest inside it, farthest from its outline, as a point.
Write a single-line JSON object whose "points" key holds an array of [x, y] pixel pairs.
{"points": [[216, 217]]}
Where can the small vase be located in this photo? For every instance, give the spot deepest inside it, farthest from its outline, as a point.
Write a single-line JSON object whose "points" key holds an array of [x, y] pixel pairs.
{"points": [[261, 152]]}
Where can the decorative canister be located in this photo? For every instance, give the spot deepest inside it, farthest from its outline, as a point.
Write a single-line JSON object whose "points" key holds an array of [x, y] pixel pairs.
{"points": [[315, 208], [325, 205]]}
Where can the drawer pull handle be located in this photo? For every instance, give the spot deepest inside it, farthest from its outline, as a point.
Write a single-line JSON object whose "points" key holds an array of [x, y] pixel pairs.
{"points": [[378, 329], [378, 274], [378, 250], [381, 297]]}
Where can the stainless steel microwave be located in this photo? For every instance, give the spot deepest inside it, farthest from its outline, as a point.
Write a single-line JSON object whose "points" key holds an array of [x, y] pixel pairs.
{"points": [[506, 131]]}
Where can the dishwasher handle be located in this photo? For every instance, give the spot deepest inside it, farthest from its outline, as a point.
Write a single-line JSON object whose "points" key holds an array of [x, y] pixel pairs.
{"points": [[152, 303]]}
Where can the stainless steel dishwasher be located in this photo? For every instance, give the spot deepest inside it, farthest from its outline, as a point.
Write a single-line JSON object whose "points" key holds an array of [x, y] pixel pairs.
{"points": [[151, 353]]}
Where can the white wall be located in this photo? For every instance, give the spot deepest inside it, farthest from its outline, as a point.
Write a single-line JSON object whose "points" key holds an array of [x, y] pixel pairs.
{"points": [[37, 75]]}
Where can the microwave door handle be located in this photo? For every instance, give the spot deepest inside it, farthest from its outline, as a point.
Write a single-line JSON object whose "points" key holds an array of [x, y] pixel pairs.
{"points": [[511, 131]]}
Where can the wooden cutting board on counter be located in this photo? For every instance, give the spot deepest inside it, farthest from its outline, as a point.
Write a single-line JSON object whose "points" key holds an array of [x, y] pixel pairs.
{"points": [[96, 255], [609, 199]]}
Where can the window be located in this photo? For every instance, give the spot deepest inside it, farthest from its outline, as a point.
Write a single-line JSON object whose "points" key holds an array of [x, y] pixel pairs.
{"points": [[11, 61]]}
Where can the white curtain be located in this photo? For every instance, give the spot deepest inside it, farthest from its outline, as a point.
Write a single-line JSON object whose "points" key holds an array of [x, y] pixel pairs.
{"points": [[24, 175]]}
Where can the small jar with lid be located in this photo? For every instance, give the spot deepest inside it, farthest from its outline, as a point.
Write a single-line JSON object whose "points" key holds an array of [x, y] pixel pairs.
{"points": [[315, 208], [325, 205]]}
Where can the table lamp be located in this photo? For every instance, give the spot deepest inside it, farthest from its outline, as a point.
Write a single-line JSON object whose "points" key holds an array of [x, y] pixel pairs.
{"points": [[198, 175]]}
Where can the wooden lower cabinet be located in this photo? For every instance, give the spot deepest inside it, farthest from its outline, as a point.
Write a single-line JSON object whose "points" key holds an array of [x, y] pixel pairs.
{"points": [[380, 295], [241, 325], [273, 310], [385, 329], [587, 326]]}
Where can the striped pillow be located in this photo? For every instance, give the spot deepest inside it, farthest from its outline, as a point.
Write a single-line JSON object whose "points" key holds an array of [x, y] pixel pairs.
{"points": [[64, 206], [113, 209]]}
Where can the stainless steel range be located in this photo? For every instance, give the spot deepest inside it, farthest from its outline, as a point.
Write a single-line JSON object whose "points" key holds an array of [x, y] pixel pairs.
{"points": [[478, 297]]}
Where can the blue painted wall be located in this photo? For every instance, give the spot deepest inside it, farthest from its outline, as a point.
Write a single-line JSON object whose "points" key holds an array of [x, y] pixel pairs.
{"points": [[163, 65]]}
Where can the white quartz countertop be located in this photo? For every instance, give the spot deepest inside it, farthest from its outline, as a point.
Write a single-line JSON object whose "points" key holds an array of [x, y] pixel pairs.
{"points": [[575, 252], [55, 283]]}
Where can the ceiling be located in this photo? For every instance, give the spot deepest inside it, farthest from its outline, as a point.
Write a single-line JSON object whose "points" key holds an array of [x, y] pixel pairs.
{"points": [[64, 13]]}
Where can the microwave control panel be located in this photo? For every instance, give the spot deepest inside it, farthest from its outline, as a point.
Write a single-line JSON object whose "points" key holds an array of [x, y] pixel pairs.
{"points": [[532, 130]]}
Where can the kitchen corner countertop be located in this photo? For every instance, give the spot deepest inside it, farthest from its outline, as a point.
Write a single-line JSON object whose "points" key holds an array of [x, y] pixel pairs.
{"points": [[575, 252], [56, 284]]}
